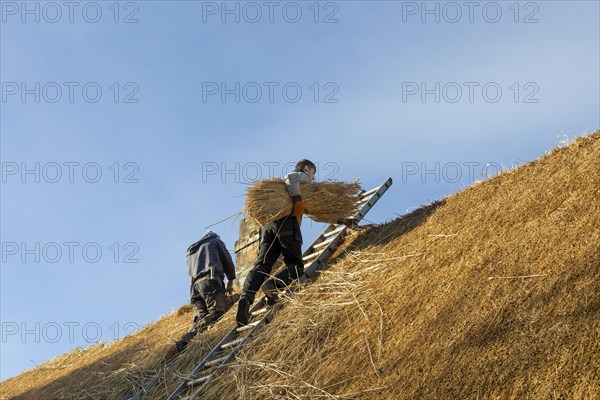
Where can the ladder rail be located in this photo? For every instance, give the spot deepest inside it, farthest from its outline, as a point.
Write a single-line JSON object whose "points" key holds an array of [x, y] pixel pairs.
{"points": [[229, 358], [310, 272], [149, 385], [183, 385]]}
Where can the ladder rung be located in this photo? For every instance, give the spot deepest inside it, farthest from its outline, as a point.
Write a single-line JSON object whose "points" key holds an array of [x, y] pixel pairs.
{"points": [[365, 194], [324, 243], [198, 381], [311, 256], [233, 343], [335, 231], [259, 311], [364, 200], [247, 327], [216, 361]]}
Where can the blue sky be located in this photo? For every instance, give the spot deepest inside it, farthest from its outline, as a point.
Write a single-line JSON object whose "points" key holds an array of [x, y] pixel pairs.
{"points": [[176, 146]]}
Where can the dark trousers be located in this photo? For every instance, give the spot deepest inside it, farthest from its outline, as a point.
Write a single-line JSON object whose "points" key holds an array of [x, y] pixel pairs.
{"points": [[280, 237], [208, 300]]}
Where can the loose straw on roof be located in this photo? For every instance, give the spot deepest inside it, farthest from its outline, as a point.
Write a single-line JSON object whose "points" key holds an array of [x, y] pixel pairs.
{"points": [[268, 200]]}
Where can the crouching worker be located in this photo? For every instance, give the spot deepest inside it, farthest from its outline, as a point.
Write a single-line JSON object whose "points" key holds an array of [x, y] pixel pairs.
{"points": [[279, 237], [208, 263]]}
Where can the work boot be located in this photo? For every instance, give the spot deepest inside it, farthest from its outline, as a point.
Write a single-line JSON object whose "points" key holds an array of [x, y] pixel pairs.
{"points": [[243, 313], [272, 298], [270, 291], [185, 339]]}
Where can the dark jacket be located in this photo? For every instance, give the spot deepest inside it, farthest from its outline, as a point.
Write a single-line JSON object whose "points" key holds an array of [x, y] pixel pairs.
{"points": [[209, 257]]}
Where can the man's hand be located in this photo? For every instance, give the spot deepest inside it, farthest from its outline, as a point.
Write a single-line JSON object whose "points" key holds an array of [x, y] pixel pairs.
{"points": [[349, 222], [229, 287], [298, 208]]}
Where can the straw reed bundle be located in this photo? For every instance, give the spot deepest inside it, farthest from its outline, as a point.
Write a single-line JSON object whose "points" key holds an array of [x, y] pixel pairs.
{"points": [[268, 200]]}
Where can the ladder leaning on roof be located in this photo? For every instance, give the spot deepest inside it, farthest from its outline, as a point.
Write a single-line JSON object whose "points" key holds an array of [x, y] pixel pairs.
{"points": [[315, 257]]}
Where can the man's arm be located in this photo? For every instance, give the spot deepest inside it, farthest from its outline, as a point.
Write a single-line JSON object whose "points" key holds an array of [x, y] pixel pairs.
{"points": [[292, 183], [228, 265]]}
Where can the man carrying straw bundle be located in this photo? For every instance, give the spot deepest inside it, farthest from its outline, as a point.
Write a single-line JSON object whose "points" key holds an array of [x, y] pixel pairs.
{"points": [[282, 236]]}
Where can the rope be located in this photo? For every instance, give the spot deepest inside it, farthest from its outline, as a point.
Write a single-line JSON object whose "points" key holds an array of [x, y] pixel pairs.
{"points": [[223, 220]]}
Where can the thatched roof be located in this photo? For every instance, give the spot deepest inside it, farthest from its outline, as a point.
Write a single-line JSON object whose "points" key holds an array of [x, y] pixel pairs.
{"points": [[493, 292]]}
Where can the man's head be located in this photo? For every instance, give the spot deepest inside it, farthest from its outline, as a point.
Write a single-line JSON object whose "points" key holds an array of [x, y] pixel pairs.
{"points": [[308, 167], [209, 234]]}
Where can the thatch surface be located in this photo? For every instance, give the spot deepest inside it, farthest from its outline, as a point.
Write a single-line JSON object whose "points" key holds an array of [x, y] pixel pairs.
{"points": [[492, 293], [268, 200]]}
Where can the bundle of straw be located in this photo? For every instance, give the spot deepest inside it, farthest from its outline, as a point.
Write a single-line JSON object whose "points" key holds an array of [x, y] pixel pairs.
{"points": [[268, 200]]}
